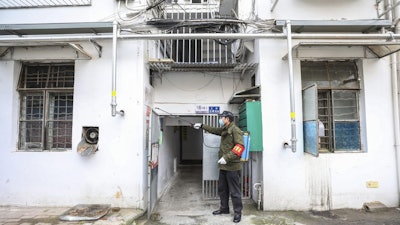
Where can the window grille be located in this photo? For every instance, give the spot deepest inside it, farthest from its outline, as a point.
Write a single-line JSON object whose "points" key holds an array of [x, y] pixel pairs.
{"points": [[336, 103], [46, 95]]}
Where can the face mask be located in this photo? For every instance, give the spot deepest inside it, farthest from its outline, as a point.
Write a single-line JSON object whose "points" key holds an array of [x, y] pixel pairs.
{"points": [[221, 123]]}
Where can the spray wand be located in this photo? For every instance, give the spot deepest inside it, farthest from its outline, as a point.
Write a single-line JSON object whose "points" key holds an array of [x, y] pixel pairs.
{"points": [[175, 116]]}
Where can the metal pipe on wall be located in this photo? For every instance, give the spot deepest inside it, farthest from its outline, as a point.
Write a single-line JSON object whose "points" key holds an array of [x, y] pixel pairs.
{"points": [[395, 102], [13, 41], [114, 72], [291, 86], [395, 66], [274, 5]]}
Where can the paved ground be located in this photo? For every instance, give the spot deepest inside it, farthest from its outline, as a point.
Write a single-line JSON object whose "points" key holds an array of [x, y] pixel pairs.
{"points": [[182, 205], [12, 215]]}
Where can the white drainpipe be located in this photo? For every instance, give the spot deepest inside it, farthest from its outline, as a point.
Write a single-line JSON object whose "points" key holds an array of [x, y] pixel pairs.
{"points": [[13, 41], [291, 86], [395, 96], [114, 72]]}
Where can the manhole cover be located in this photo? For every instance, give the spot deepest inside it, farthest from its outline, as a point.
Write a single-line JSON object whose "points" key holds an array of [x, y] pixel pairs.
{"points": [[85, 212]]}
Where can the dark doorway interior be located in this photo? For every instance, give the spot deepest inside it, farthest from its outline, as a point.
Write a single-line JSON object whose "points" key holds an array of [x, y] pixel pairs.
{"points": [[191, 146]]}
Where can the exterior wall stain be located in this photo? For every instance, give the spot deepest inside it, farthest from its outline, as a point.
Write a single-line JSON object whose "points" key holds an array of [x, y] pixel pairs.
{"points": [[319, 184]]}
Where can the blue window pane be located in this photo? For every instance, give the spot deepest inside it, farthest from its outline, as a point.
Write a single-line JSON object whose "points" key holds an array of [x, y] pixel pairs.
{"points": [[310, 137], [347, 136]]}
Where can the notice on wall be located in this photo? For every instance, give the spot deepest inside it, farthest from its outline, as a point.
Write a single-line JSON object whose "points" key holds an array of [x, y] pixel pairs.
{"points": [[201, 109], [154, 155], [206, 109], [213, 110]]}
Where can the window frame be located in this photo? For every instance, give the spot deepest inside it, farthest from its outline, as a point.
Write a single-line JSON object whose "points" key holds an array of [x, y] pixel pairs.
{"points": [[46, 93], [310, 128]]}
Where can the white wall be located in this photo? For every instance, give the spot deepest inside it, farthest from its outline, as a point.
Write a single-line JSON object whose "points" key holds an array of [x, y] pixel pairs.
{"points": [[300, 181], [113, 174], [98, 11], [318, 9], [116, 174], [180, 93], [169, 152]]}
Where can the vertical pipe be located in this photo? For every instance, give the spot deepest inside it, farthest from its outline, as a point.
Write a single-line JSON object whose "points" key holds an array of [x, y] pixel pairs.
{"points": [[273, 5], [291, 83], [395, 99], [395, 96], [114, 70], [387, 13], [190, 41]]}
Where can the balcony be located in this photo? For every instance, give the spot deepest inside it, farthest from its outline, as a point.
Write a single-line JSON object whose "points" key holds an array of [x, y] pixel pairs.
{"points": [[197, 54]]}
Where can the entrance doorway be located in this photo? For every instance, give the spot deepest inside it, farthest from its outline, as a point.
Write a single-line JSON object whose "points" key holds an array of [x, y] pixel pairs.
{"points": [[181, 146]]}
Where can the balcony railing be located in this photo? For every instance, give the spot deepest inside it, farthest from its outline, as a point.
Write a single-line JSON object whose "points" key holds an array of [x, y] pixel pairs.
{"points": [[182, 19], [191, 54]]}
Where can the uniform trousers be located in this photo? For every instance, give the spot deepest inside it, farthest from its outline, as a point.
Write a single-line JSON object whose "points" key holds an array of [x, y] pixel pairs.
{"points": [[229, 183]]}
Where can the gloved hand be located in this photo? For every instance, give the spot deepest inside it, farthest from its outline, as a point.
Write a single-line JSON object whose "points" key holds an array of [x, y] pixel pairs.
{"points": [[197, 125], [222, 161]]}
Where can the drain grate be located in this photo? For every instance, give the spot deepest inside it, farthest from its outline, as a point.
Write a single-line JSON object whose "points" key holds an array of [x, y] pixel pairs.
{"points": [[85, 212]]}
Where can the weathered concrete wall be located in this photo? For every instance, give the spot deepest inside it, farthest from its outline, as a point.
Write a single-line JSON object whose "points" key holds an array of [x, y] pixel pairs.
{"points": [[300, 181], [113, 174]]}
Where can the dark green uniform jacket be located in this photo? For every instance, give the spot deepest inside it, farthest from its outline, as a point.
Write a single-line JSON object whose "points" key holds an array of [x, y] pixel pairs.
{"points": [[230, 135]]}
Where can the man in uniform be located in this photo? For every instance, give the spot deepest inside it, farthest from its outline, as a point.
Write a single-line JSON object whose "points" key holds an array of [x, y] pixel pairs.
{"points": [[229, 164]]}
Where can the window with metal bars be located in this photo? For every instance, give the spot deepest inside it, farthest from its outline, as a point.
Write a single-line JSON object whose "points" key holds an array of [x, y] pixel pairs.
{"points": [[46, 106], [331, 119]]}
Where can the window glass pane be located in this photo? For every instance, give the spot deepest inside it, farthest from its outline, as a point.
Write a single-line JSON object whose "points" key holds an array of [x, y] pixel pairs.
{"points": [[59, 131], [31, 135], [343, 75], [310, 103], [314, 72], [345, 105], [61, 106], [347, 136], [32, 107], [59, 135], [35, 77], [61, 76], [310, 116], [310, 130], [47, 76], [31, 121], [329, 75]]}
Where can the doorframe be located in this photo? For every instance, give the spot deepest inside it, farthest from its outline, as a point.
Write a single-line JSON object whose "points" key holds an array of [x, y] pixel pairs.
{"points": [[152, 168]]}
